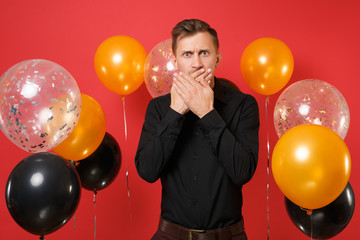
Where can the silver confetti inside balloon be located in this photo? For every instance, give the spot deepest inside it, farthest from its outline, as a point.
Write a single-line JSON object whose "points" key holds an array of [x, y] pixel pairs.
{"points": [[40, 104]]}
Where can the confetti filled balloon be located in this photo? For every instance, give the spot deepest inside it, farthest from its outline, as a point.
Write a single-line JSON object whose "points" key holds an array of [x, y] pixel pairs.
{"points": [[40, 104], [159, 69], [311, 102]]}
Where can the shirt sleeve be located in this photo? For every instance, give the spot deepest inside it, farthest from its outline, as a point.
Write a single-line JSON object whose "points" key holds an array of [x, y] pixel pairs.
{"points": [[157, 141], [237, 149]]}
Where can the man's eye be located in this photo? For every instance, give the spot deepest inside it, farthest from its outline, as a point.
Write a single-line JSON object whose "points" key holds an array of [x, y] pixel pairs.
{"points": [[204, 53], [187, 54]]}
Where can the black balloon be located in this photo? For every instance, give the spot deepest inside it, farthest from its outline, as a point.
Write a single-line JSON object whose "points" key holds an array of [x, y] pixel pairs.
{"points": [[324, 222], [42, 193], [100, 169]]}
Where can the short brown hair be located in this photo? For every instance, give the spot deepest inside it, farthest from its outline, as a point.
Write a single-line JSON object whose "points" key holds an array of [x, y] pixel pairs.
{"points": [[190, 27]]}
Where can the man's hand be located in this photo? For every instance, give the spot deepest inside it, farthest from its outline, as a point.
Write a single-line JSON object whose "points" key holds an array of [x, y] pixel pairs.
{"points": [[177, 103], [195, 91]]}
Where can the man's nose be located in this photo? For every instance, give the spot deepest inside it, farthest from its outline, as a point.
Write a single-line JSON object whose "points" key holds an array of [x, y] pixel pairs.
{"points": [[197, 62]]}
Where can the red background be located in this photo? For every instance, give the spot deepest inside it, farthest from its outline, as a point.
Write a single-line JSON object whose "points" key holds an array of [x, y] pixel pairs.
{"points": [[323, 36]]}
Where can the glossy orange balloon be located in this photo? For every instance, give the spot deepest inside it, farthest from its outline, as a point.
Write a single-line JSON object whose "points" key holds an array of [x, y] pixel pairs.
{"points": [[119, 64], [87, 134], [311, 165], [267, 65]]}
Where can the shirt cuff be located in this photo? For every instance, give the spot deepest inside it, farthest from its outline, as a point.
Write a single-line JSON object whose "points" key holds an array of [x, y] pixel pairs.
{"points": [[172, 116], [172, 120], [211, 121]]}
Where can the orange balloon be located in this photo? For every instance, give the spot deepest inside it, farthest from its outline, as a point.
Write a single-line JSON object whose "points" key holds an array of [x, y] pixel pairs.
{"points": [[311, 165], [119, 64], [267, 65], [87, 134]]}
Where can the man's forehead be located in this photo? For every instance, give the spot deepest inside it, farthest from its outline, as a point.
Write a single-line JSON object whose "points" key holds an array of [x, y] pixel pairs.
{"points": [[202, 40]]}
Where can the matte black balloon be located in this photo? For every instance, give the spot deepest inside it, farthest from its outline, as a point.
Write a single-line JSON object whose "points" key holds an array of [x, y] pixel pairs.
{"points": [[326, 222], [100, 169], [42, 193]]}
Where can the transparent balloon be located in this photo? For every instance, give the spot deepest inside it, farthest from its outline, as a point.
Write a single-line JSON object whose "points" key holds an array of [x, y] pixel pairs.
{"points": [[159, 69], [311, 101], [40, 104]]}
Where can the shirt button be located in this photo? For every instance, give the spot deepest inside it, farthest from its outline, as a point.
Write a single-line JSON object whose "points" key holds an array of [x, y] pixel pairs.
{"points": [[196, 133], [196, 156], [195, 178]]}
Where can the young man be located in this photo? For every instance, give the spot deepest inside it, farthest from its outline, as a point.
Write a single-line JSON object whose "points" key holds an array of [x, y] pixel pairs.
{"points": [[201, 140]]}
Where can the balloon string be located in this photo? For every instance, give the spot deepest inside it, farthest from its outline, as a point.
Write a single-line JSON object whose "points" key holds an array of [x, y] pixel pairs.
{"points": [[126, 161], [267, 101], [125, 129], [309, 212], [311, 227], [74, 164], [94, 214], [74, 222]]}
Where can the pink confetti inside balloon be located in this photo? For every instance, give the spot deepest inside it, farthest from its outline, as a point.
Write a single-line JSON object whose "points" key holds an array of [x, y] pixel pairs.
{"points": [[311, 102], [40, 104], [159, 69]]}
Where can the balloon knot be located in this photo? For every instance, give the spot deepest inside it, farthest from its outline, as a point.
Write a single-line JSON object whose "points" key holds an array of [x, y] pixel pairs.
{"points": [[308, 211], [72, 162]]}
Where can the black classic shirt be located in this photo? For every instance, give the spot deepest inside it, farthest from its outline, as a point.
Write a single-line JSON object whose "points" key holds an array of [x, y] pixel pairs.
{"points": [[202, 163]]}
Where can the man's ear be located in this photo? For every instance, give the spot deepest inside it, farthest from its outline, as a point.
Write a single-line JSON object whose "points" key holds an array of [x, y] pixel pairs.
{"points": [[218, 59], [174, 62]]}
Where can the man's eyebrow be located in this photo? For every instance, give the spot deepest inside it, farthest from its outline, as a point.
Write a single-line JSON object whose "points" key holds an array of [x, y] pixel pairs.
{"points": [[191, 51], [187, 51]]}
